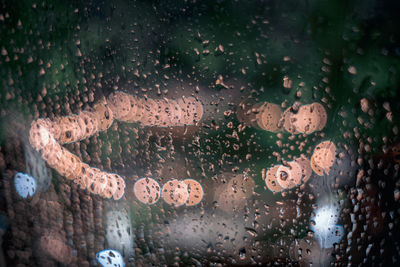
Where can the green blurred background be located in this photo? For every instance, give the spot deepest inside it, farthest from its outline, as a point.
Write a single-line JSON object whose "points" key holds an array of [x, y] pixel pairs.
{"points": [[58, 57]]}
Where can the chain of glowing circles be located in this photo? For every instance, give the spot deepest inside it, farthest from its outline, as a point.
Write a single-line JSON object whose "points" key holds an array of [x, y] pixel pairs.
{"points": [[298, 171], [175, 192], [298, 119], [47, 135]]}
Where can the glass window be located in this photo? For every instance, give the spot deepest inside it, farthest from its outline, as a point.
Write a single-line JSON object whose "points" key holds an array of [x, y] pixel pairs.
{"points": [[199, 133]]}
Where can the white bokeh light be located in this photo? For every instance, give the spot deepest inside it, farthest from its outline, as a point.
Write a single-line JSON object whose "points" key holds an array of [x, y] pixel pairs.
{"points": [[25, 185], [325, 216], [326, 231]]}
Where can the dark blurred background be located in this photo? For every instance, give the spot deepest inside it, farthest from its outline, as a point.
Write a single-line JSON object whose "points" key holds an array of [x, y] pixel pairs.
{"points": [[60, 57]]}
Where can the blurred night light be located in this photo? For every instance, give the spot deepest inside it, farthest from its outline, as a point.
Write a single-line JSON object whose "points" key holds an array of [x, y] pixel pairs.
{"points": [[110, 258], [25, 185], [326, 231]]}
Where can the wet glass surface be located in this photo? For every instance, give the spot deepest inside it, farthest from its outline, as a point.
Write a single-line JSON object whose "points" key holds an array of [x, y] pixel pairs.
{"points": [[216, 133]]}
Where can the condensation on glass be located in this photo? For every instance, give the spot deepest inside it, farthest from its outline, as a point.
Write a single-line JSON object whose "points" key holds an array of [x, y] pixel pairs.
{"points": [[217, 133]]}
